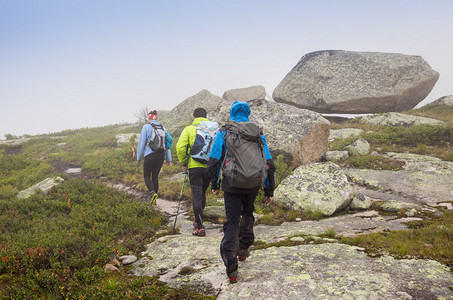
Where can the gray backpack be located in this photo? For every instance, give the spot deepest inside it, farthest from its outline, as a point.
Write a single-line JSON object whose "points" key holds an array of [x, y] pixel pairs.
{"points": [[244, 165]]}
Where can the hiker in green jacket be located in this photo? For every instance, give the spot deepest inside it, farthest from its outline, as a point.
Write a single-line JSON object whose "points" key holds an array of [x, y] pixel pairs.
{"points": [[199, 180]]}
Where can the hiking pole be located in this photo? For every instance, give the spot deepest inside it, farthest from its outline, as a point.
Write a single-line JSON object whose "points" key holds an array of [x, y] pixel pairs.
{"points": [[182, 188]]}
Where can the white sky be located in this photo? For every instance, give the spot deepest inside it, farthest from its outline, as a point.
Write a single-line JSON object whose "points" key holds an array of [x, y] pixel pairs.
{"points": [[85, 63]]}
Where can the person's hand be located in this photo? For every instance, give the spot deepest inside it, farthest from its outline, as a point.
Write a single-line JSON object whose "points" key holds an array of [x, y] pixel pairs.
{"points": [[269, 200], [215, 192]]}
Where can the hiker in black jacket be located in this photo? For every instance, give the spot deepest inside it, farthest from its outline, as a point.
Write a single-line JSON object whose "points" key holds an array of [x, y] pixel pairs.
{"points": [[239, 196]]}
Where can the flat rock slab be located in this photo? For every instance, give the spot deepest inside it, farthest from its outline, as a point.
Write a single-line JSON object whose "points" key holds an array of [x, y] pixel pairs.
{"points": [[322, 271], [424, 179], [335, 271], [346, 225], [398, 119]]}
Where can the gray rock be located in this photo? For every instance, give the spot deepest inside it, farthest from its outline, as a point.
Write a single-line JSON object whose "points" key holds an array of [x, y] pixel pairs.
{"points": [[358, 147], [336, 81], [182, 115], [344, 133], [396, 206], [413, 182], [336, 156], [124, 138], [323, 271], [256, 92], [43, 186], [446, 100], [335, 271], [360, 201], [300, 135], [128, 259], [15, 142], [398, 119], [319, 187], [214, 211]]}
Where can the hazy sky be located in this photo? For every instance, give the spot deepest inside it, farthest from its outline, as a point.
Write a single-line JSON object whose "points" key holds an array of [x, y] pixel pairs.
{"points": [[68, 64]]}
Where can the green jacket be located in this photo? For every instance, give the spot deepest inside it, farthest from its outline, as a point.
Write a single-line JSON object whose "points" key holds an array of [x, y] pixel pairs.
{"points": [[188, 138]]}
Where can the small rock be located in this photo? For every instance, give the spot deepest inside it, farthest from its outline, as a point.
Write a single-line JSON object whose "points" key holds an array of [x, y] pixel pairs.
{"points": [[111, 268], [162, 239], [360, 201], [128, 259], [298, 219]]}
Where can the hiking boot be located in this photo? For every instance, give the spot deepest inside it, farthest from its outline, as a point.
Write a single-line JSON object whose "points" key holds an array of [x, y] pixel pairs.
{"points": [[195, 225], [199, 232], [243, 254], [153, 198], [233, 276]]}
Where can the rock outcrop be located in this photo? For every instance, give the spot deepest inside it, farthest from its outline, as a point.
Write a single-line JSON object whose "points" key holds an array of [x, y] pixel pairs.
{"points": [[446, 100], [182, 115], [423, 179], [335, 81], [256, 92], [43, 186], [319, 188], [398, 119], [299, 134]]}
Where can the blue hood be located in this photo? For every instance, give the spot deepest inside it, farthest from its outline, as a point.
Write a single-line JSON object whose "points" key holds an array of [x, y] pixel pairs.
{"points": [[240, 111]]}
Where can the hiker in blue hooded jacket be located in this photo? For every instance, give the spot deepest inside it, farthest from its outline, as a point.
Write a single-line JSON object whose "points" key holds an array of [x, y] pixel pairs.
{"points": [[153, 159], [239, 202]]}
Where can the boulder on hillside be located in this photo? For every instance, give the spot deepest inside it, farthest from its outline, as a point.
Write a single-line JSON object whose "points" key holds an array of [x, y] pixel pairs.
{"points": [[182, 115], [358, 147], [319, 187], [344, 133], [335, 81], [256, 92], [398, 119], [446, 100], [300, 135]]}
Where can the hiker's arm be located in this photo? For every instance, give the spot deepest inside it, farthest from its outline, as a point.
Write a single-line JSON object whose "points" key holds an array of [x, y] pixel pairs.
{"points": [[181, 146], [141, 143], [270, 180], [215, 160]]}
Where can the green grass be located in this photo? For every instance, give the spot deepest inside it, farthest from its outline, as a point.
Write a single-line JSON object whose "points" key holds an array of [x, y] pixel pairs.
{"points": [[55, 246], [430, 239]]}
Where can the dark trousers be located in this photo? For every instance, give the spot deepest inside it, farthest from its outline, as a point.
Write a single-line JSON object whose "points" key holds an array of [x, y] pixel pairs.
{"points": [[238, 229], [199, 182], [151, 168]]}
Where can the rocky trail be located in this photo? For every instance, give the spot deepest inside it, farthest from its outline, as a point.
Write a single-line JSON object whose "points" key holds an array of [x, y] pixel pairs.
{"points": [[320, 269]]}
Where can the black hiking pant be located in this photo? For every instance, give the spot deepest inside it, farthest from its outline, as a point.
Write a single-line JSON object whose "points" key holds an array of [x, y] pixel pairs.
{"points": [[238, 229], [199, 182], [151, 168]]}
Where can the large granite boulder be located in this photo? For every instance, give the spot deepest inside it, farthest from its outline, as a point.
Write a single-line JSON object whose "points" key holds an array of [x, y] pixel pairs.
{"points": [[182, 115], [300, 135], [335, 81], [319, 187], [256, 92]]}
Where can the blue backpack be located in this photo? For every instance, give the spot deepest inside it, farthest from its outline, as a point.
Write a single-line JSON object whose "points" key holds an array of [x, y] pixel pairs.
{"points": [[204, 139]]}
